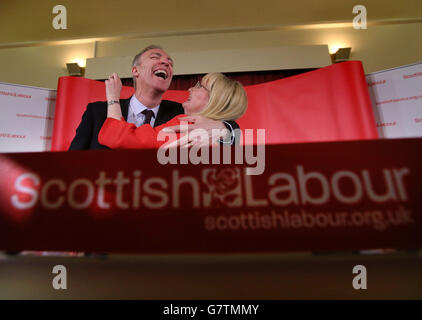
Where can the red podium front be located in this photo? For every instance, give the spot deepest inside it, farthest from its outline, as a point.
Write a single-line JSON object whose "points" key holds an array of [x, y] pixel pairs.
{"points": [[317, 196]]}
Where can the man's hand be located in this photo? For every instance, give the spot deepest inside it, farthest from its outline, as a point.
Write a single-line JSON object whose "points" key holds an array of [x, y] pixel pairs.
{"points": [[201, 132], [113, 87]]}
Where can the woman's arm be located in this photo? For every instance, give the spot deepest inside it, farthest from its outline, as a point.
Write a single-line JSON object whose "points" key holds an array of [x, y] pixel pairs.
{"points": [[119, 134], [113, 88]]}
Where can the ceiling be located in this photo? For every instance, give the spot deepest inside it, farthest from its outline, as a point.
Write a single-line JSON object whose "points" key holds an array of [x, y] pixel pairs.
{"points": [[30, 21]]}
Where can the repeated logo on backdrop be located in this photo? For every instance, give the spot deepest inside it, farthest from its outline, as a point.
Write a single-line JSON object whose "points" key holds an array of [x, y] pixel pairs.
{"points": [[396, 96]]}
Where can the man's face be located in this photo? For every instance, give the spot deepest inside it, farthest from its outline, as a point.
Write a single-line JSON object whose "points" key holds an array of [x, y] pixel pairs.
{"points": [[154, 70]]}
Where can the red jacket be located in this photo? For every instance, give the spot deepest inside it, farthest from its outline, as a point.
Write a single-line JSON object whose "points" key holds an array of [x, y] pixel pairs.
{"points": [[119, 134]]}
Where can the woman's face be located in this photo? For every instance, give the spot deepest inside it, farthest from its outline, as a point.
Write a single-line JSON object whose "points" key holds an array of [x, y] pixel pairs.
{"points": [[198, 99]]}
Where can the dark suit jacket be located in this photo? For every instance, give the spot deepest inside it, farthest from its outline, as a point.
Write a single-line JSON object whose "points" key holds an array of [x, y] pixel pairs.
{"points": [[95, 114]]}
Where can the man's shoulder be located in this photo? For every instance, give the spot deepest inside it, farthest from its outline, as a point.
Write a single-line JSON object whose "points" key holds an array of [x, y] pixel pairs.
{"points": [[168, 110], [171, 104], [171, 108], [99, 105]]}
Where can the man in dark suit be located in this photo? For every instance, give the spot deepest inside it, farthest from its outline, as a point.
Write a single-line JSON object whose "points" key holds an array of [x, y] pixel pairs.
{"points": [[152, 72]]}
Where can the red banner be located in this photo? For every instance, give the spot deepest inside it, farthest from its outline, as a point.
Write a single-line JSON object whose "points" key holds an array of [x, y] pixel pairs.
{"points": [[328, 104], [318, 196]]}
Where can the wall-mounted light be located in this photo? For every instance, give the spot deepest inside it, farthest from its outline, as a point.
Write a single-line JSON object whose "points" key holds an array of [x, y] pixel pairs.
{"points": [[342, 54], [75, 70]]}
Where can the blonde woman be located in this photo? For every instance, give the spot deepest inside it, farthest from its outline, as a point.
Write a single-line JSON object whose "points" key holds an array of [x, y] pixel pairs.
{"points": [[215, 97]]}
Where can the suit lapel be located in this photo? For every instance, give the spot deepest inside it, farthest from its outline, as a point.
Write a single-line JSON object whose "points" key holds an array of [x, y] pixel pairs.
{"points": [[165, 113], [124, 105], [161, 115]]}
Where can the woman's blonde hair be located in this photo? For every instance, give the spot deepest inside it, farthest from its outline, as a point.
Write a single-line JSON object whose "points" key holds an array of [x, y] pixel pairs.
{"points": [[228, 99]]}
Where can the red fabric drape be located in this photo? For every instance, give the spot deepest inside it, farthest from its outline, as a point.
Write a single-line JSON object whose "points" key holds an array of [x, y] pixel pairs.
{"points": [[328, 104]]}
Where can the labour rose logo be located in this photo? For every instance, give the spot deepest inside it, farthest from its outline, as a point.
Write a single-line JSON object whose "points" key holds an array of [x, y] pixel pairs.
{"points": [[224, 180], [223, 187]]}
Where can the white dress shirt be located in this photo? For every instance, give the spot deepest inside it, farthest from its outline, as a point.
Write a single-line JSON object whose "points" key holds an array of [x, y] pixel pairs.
{"points": [[135, 114]]}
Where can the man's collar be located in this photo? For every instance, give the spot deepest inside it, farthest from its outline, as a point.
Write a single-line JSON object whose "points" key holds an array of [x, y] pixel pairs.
{"points": [[138, 107]]}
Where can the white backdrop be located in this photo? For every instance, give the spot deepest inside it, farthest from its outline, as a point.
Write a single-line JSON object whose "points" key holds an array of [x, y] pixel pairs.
{"points": [[397, 101], [27, 115]]}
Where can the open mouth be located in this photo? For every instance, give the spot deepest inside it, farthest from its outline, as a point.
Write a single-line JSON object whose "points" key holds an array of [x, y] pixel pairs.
{"points": [[161, 74]]}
